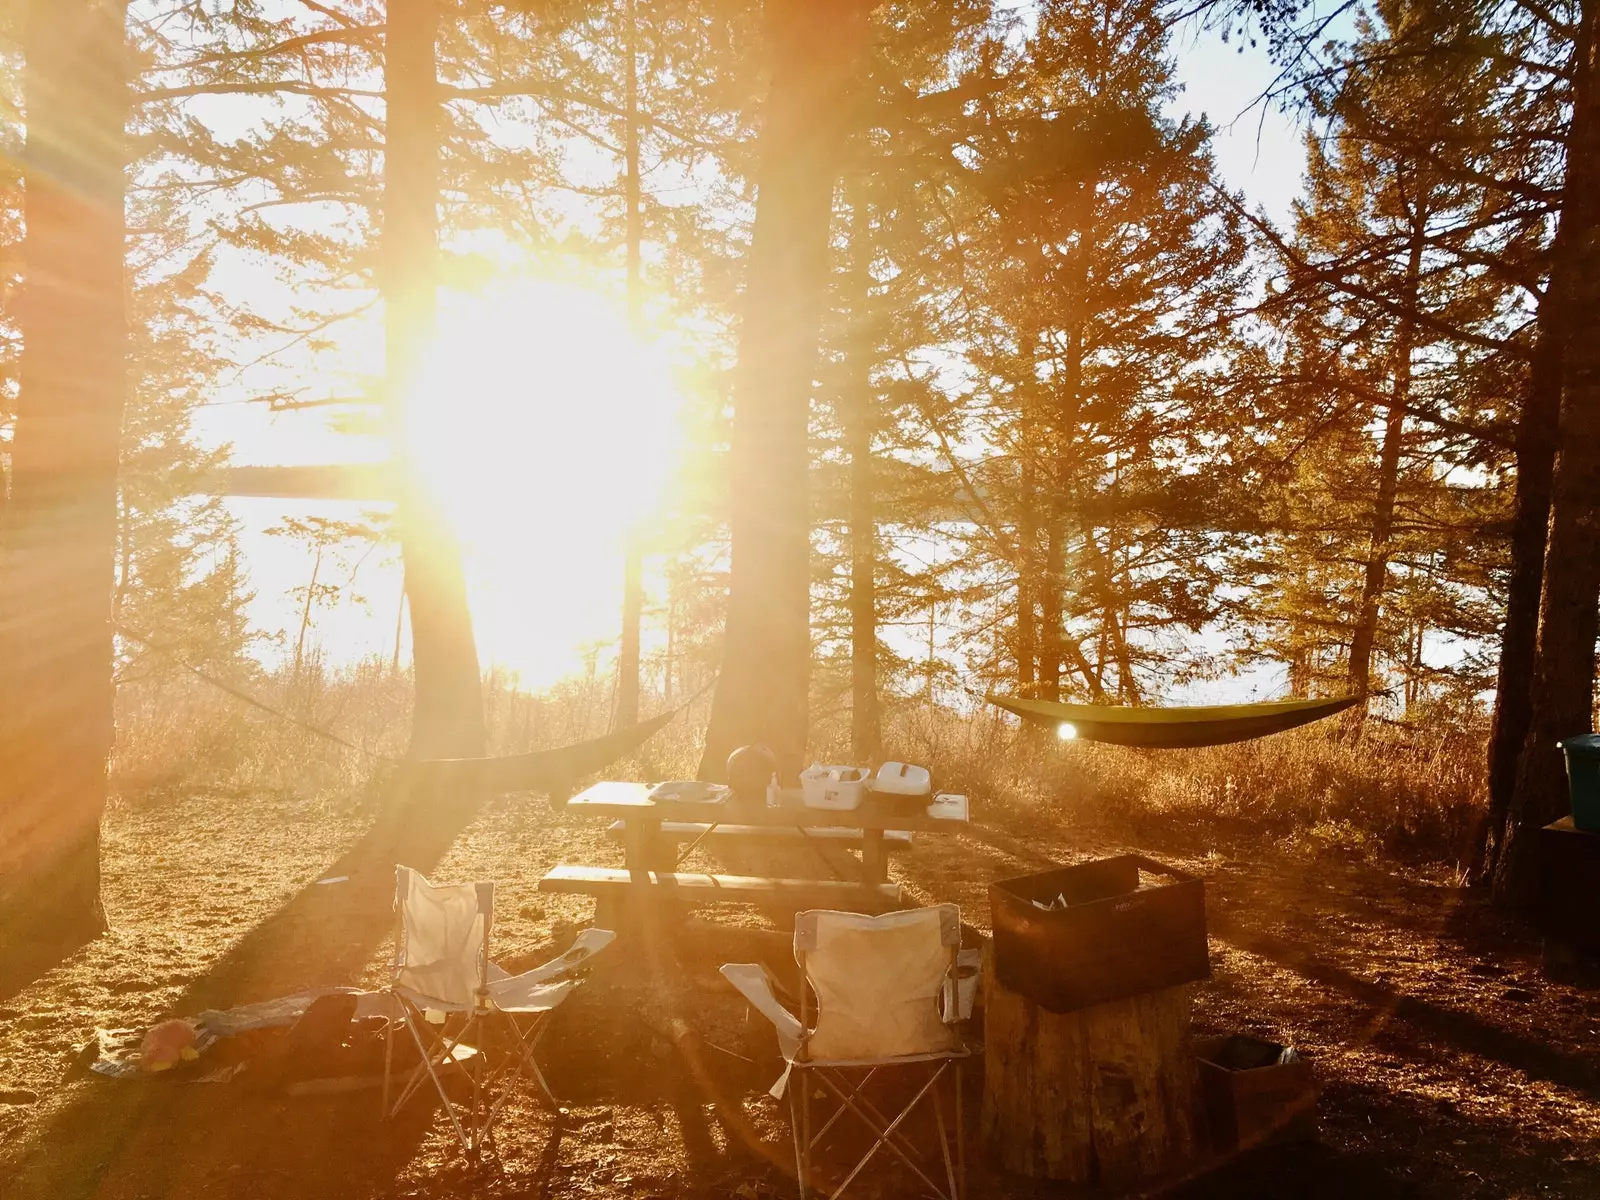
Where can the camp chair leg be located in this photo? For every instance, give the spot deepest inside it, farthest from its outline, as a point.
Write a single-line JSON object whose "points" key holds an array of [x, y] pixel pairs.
{"points": [[532, 1062], [794, 1136], [858, 1096], [388, 1064], [844, 1106], [961, 1139], [885, 1138], [427, 1065], [883, 1130], [802, 1079], [413, 1020], [944, 1144]]}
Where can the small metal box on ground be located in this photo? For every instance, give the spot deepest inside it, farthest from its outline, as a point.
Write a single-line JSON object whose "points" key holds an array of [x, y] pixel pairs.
{"points": [[1086, 934], [1251, 1097]]}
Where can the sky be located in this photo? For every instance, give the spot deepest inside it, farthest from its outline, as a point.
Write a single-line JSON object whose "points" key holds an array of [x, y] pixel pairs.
{"points": [[547, 588]]}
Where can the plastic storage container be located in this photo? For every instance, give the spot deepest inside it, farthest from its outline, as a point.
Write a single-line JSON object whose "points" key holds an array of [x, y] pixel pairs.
{"points": [[833, 787], [1583, 780], [903, 779]]}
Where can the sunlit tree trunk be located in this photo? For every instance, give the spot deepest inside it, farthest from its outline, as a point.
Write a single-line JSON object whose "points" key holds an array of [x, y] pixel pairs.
{"points": [[1052, 586], [58, 544], [1535, 463], [761, 696], [1028, 507], [447, 719], [1027, 573], [866, 734], [633, 567], [1068, 395], [1376, 576], [1563, 671]]}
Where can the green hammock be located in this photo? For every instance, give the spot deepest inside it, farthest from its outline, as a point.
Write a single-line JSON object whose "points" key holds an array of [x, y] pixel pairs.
{"points": [[1170, 728]]}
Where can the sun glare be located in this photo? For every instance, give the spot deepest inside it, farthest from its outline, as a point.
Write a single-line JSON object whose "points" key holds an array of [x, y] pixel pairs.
{"points": [[548, 431]]}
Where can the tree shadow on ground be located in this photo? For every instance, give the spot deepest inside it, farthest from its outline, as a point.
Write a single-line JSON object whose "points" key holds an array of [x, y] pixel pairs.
{"points": [[1452, 1029], [26, 962], [159, 1137]]}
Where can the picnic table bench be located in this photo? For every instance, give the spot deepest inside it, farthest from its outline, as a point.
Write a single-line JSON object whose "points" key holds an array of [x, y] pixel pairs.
{"points": [[651, 831], [841, 835]]}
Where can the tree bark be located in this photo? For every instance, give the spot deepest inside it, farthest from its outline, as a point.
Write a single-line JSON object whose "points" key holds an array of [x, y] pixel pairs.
{"points": [[1054, 584], [866, 731], [1535, 458], [447, 716], [1375, 580], [1028, 507], [58, 545], [1063, 489], [1027, 570], [1563, 672], [761, 696], [633, 565], [1104, 1096]]}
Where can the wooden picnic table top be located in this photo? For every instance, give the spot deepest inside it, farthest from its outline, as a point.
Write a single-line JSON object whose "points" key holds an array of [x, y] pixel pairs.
{"points": [[632, 802]]}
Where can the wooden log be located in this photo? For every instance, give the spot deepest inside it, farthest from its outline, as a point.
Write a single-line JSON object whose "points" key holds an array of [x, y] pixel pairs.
{"points": [[1102, 1097]]}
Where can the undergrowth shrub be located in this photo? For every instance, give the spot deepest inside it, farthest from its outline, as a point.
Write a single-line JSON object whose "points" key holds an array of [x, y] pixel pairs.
{"points": [[1410, 792], [1415, 792]]}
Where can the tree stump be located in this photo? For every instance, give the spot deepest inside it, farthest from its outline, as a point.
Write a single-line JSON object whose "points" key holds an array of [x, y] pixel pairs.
{"points": [[1103, 1096]]}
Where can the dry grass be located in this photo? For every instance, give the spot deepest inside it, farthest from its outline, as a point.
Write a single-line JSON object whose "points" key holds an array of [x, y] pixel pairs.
{"points": [[1413, 793]]}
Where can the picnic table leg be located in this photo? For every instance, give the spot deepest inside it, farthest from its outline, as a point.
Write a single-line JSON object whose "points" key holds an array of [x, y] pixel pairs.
{"points": [[647, 903], [642, 847], [874, 862]]}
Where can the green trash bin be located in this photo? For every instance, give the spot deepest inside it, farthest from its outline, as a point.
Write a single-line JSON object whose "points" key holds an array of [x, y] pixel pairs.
{"points": [[1583, 779]]}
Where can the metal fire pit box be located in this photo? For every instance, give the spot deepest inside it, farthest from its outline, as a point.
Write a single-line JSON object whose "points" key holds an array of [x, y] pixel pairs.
{"points": [[1115, 935], [1251, 1098]]}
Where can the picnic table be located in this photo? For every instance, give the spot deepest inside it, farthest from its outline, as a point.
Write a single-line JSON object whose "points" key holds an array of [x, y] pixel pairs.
{"points": [[652, 830]]}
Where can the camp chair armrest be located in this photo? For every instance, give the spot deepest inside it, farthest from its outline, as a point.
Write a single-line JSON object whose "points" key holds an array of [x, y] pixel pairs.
{"points": [[755, 984], [589, 943], [961, 992]]}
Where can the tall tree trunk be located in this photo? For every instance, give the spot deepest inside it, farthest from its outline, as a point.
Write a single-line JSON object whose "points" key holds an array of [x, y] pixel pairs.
{"points": [[58, 545], [1027, 569], [1068, 396], [1053, 584], [1535, 458], [633, 566], [1563, 673], [866, 732], [761, 696], [1028, 508], [1376, 578], [447, 717]]}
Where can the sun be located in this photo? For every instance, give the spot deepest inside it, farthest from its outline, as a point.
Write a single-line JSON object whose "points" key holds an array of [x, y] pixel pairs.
{"points": [[548, 432]]}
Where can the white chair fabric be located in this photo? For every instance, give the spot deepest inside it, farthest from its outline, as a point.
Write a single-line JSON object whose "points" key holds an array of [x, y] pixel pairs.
{"points": [[889, 990], [442, 966], [440, 959], [879, 983]]}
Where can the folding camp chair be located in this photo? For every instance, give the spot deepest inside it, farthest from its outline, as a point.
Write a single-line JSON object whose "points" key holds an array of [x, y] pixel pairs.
{"points": [[452, 1001], [889, 991]]}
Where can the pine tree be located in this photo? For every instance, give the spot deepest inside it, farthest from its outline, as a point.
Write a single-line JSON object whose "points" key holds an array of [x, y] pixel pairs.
{"points": [[59, 536]]}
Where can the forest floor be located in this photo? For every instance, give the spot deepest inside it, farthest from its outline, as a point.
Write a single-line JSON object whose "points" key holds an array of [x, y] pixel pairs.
{"points": [[1449, 1067]]}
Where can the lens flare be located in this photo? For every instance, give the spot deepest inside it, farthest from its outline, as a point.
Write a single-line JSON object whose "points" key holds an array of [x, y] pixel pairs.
{"points": [[547, 432]]}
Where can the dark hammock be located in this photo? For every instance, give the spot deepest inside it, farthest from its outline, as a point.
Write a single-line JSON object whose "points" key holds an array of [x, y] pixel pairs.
{"points": [[1172, 728], [553, 771]]}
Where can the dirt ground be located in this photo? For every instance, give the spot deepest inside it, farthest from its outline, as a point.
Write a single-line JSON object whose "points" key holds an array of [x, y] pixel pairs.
{"points": [[1449, 1066]]}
